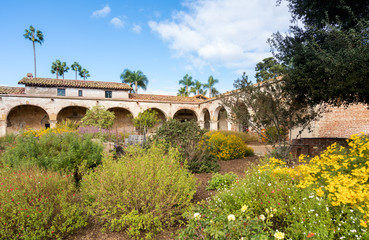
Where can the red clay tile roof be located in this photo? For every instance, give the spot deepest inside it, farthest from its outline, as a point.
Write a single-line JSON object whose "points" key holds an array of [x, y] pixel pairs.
{"points": [[11, 90], [51, 82], [164, 98]]}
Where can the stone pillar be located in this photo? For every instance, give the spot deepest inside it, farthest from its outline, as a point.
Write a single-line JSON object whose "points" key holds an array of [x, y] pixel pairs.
{"points": [[52, 123], [3, 124], [213, 125], [201, 124]]}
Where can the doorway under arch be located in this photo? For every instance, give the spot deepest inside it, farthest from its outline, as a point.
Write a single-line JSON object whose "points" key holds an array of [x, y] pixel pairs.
{"points": [[26, 116]]}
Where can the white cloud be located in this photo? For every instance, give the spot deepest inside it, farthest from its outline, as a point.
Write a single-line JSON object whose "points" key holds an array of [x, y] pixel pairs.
{"points": [[136, 28], [102, 12], [117, 22], [226, 33]]}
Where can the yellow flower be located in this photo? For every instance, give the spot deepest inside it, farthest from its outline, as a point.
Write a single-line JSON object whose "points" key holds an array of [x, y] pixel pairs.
{"points": [[279, 235], [244, 208]]}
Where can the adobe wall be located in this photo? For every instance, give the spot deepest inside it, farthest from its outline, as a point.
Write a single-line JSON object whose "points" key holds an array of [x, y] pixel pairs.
{"points": [[58, 108], [314, 146]]}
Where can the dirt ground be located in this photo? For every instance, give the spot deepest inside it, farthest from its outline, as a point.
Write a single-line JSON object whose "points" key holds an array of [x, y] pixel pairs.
{"points": [[238, 166]]}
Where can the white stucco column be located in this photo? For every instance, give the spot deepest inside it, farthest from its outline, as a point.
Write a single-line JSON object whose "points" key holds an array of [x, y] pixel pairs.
{"points": [[52, 123], [2, 128], [201, 124], [213, 125]]}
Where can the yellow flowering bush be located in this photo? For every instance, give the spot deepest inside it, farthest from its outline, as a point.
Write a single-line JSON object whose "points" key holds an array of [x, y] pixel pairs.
{"points": [[60, 128], [228, 147], [339, 173]]}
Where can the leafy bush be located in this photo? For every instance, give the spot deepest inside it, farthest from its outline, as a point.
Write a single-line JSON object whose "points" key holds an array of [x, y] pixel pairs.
{"points": [[245, 136], [60, 128], [142, 193], [227, 147], [263, 206], [105, 135], [219, 181], [271, 135], [99, 117], [38, 204], [186, 136], [7, 141], [59, 152]]}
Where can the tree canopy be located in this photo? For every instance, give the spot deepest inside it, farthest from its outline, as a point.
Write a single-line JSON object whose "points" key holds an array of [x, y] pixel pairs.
{"points": [[134, 78], [327, 58]]}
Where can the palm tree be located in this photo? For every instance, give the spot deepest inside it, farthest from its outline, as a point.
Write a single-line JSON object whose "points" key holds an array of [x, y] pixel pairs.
{"points": [[38, 38], [136, 78], [76, 67], [210, 85], [84, 74], [64, 68], [182, 92], [198, 88], [56, 68], [186, 81]]}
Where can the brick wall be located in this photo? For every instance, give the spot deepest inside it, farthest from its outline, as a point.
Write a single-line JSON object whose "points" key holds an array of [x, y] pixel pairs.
{"points": [[343, 122], [313, 146]]}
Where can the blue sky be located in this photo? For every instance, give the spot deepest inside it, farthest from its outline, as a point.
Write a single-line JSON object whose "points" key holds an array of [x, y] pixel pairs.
{"points": [[165, 39]]}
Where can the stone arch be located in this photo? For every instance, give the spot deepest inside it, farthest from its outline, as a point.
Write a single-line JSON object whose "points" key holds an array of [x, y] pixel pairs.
{"points": [[185, 115], [221, 116], [161, 116], [74, 113], [205, 118], [26, 116], [123, 122]]}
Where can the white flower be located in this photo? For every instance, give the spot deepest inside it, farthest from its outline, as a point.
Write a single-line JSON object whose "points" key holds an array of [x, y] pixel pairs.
{"points": [[262, 217], [197, 215], [231, 217]]}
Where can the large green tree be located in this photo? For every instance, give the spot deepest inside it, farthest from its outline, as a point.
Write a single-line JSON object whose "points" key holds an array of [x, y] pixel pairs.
{"points": [[76, 67], [327, 57], [187, 82], [134, 78], [35, 37], [210, 86]]}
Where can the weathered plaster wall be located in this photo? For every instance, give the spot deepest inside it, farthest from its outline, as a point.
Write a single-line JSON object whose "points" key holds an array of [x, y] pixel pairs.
{"points": [[58, 108], [73, 92]]}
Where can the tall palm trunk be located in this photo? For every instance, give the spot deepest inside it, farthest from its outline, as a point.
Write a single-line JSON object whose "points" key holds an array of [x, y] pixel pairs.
{"points": [[34, 57], [76, 75], [209, 92], [136, 86]]}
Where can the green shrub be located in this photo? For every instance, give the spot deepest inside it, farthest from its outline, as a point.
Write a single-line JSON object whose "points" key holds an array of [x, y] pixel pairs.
{"points": [[219, 181], [59, 152], [7, 141], [143, 192], [99, 117], [38, 204], [186, 136], [265, 204], [227, 147]]}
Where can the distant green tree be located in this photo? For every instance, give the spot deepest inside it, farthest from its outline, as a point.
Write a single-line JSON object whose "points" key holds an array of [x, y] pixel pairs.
{"points": [[84, 74], [182, 92], [198, 88], [187, 82], [76, 67], [134, 78], [64, 68], [210, 86], [34, 36], [99, 117], [56, 68], [269, 68]]}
